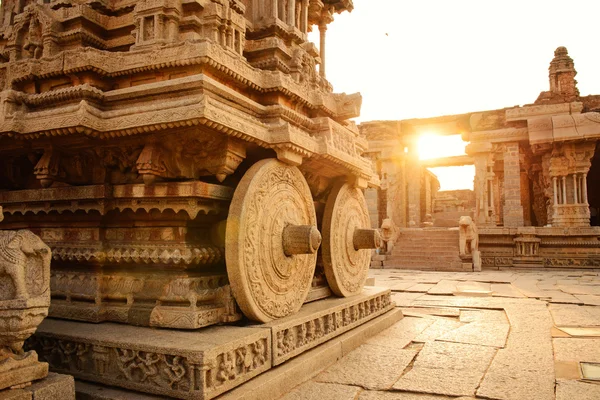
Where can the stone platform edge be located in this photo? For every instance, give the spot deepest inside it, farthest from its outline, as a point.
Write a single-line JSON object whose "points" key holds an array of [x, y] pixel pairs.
{"points": [[198, 365], [277, 381]]}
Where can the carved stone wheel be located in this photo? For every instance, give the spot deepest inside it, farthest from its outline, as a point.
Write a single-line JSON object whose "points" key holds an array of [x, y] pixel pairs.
{"points": [[271, 241], [347, 238]]}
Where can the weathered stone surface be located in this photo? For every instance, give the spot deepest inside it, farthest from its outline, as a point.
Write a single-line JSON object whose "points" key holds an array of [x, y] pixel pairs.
{"points": [[440, 312], [165, 362], [346, 263], [484, 316], [589, 300], [224, 357], [479, 333], [402, 286], [577, 349], [444, 287], [24, 301], [320, 321], [279, 381], [505, 290], [524, 369], [318, 391], [568, 390], [447, 368], [93, 391], [574, 315], [15, 394], [401, 334], [405, 299], [568, 331], [350, 370], [438, 328], [271, 191], [53, 387], [420, 287], [380, 395]]}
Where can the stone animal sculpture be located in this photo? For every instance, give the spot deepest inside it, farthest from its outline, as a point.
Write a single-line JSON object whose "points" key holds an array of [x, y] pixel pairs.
{"points": [[389, 234], [15, 249], [24, 265], [468, 236]]}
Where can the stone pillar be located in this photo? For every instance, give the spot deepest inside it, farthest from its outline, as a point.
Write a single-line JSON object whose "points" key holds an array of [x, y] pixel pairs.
{"points": [[322, 32], [483, 183], [513, 209], [413, 187]]}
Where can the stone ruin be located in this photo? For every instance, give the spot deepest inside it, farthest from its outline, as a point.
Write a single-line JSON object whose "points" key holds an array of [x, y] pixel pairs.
{"points": [[537, 175], [189, 166]]}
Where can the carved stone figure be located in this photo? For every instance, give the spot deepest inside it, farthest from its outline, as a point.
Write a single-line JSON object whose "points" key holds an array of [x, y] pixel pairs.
{"points": [[24, 301], [468, 236], [389, 234]]}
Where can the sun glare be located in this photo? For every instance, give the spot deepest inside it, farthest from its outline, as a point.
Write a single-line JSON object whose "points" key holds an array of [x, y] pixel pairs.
{"points": [[431, 146], [455, 178]]}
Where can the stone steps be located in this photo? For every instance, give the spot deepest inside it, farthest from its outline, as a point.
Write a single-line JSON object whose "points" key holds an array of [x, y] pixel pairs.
{"points": [[426, 249]]}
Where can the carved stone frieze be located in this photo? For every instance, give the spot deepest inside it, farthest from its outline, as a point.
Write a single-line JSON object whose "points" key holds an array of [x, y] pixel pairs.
{"points": [[193, 198], [312, 326], [194, 365]]}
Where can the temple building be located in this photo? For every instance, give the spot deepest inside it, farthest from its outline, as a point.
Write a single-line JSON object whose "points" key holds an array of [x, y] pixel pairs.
{"points": [[537, 175]]}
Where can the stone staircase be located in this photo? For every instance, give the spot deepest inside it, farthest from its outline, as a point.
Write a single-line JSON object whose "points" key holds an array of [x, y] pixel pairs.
{"points": [[434, 249]]}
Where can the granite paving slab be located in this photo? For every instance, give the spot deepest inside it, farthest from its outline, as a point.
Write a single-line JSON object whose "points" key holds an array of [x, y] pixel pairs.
{"points": [[579, 331], [400, 334], [577, 349], [319, 391], [581, 289], [479, 333], [575, 390], [505, 290], [524, 369], [380, 395], [440, 327], [487, 316], [420, 287], [444, 287], [370, 367], [405, 299], [440, 312], [575, 315], [401, 285], [453, 369], [589, 300]]}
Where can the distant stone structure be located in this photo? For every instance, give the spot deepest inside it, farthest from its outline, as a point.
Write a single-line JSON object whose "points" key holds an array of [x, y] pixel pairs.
{"points": [[536, 167], [185, 162]]}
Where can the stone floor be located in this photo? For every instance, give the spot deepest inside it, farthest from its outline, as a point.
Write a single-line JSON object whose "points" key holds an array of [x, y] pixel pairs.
{"points": [[507, 335]]}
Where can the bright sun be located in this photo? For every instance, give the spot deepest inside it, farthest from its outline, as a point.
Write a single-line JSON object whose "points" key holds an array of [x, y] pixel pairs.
{"points": [[436, 146]]}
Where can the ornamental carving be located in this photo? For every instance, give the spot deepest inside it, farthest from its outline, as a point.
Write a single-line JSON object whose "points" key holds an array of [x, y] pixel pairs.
{"points": [[24, 301], [267, 282]]}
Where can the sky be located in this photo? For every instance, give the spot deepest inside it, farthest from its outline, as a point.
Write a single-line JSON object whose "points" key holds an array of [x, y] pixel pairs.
{"points": [[427, 58]]}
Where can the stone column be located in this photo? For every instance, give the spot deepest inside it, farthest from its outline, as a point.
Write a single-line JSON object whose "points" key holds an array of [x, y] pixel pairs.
{"points": [[291, 12], [483, 183], [584, 188], [413, 185], [513, 209], [322, 32]]}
